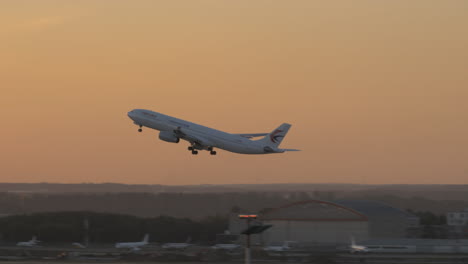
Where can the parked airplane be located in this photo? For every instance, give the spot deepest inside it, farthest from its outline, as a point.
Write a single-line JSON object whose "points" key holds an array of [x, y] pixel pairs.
{"points": [[184, 245], [78, 245], [31, 243], [285, 246], [134, 245], [204, 138], [226, 246], [353, 248]]}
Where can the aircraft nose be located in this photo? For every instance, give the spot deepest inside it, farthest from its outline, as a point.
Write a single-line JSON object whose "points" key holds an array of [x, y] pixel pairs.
{"points": [[130, 114]]}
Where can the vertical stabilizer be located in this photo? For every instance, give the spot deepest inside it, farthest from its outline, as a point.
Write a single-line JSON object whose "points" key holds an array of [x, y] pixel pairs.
{"points": [[146, 238], [274, 138]]}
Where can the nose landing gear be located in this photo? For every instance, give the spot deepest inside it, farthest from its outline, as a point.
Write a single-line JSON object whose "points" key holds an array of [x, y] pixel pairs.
{"points": [[139, 130]]}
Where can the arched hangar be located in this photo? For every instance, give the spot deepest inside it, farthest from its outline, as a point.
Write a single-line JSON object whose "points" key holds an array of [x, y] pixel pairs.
{"points": [[315, 221]]}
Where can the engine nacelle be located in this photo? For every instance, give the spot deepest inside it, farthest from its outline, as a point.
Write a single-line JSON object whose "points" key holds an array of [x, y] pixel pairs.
{"points": [[168, 136]]}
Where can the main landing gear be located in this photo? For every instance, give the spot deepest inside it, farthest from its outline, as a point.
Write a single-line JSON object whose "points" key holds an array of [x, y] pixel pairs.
{"points": [[139, 130], [195, 152], [212, 152]]}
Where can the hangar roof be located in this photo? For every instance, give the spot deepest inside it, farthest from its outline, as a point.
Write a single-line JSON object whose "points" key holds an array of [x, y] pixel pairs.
{"points": [[314, 210], [375, 210]]}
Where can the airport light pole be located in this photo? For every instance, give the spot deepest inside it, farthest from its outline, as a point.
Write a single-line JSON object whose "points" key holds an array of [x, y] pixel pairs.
{"points": [[86, 232], [255, 229], [249, 218]]}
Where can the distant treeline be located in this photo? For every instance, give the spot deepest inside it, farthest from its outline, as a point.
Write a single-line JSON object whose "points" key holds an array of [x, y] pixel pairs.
{"points": [[189, 205], [107, 228], [197, 205], [428, 191]]}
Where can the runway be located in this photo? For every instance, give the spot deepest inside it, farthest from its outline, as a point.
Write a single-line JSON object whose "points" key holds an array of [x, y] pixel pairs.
{"points": [[199, 254]]}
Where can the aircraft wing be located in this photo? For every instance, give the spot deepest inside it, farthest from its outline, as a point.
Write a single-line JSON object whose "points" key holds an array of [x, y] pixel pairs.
{"points": [[252, 135], [197, 140]]}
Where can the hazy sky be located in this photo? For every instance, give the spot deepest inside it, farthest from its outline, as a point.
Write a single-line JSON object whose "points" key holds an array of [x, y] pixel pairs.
{"points": [[377, 91]]}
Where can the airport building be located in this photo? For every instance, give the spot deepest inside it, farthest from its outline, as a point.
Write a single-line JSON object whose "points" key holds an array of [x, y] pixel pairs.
{"points": [[324, 222], [458, 218], [385, 222], [315, 221], [457, 223]]}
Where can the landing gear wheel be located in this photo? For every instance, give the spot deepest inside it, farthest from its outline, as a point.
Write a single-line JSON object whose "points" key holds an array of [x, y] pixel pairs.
{"points": [[194, 152], [190, 148], [139, 130], [213, 152]]}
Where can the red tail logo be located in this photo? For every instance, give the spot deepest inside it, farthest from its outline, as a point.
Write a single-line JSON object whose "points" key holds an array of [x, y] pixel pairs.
{"points": [[274, 137]]}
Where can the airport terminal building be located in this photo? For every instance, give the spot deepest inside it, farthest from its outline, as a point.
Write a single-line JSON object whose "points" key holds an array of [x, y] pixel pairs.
{"points": [[325, 222]]}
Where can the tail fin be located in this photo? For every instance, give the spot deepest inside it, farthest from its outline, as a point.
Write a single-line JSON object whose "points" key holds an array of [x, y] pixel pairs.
{"points": [[353, 242], [274, 138], [146, 238], [34, 239]]}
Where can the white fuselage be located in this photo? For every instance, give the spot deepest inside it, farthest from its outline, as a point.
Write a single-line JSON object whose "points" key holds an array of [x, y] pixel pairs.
{"points": [[26, 244], [131, 244], [176, 245], [31, 243], [207, 136], [285, 246], [226, 246], [358, 249]]}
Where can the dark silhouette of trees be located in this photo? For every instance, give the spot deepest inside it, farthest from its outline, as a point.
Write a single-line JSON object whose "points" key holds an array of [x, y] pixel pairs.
{"points": [[108, 228], [181, 205], [429, 218], [431, 225]]}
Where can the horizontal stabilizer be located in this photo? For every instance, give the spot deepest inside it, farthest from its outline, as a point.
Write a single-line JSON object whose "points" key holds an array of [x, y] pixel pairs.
{"points": [[290, 149]]}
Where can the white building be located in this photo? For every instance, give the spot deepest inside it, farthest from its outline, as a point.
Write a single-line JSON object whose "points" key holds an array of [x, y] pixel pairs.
{"points": [[458, 218]]}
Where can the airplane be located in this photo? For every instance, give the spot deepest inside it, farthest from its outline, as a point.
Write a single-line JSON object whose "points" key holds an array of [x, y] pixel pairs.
{"points": [[133, 245], [31, 243], [353, 248], [285, 246], [184, 245], [226, 246], [78, 245], [204, 138]]}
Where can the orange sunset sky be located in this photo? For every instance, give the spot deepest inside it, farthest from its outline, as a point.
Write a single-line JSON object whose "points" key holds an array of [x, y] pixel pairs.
{"points": [[377, 91]]}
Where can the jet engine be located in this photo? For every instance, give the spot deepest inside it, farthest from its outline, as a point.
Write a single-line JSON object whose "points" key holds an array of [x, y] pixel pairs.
{"points": [[168, 136]]}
